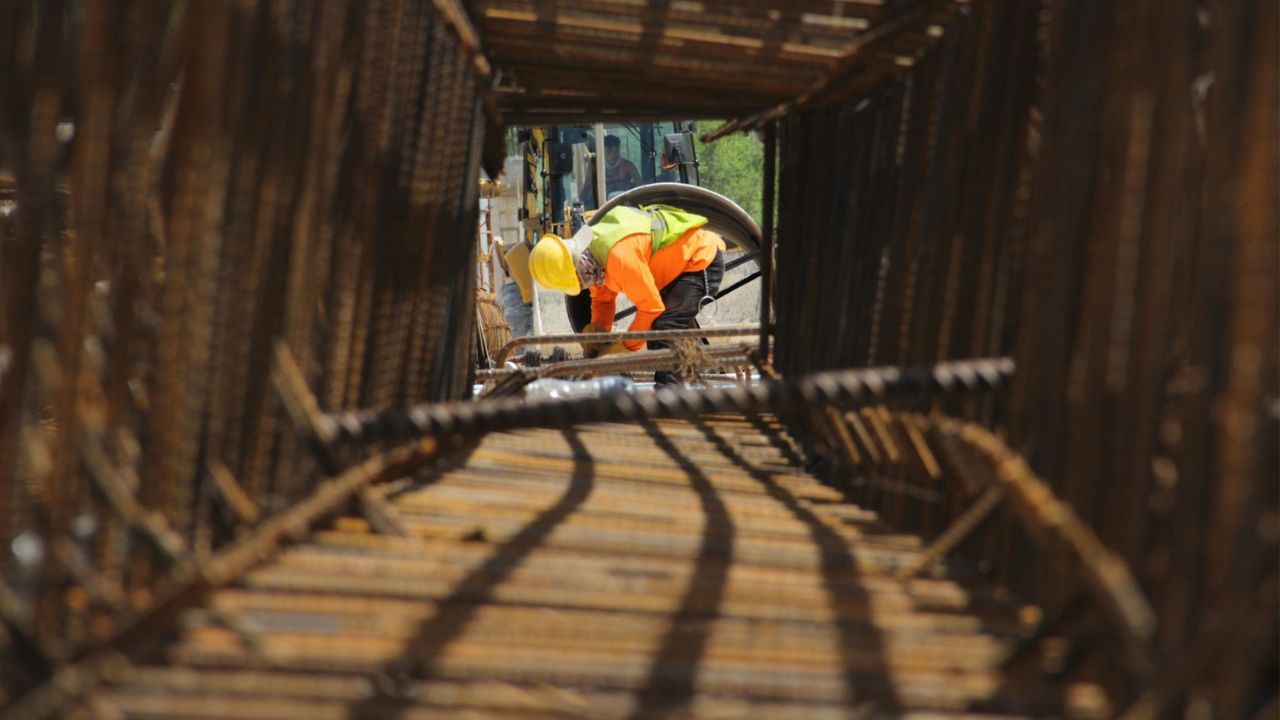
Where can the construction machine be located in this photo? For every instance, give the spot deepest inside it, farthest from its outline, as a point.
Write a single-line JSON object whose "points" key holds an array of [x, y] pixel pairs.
{"points": [[561, 171]]}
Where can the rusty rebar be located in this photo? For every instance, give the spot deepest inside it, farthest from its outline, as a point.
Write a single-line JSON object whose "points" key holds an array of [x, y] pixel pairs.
{"points": [[838, 388], [717, 356], [722, 331]]}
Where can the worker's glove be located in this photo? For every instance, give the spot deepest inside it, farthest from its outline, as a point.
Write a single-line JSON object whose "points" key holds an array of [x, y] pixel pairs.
{"points": [[614, 349], [593, 349]]}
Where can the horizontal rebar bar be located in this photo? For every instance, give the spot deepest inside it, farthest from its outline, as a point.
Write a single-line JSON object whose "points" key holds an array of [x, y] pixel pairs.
{"points": [[842, 388], [711, 332], [637, 361]]}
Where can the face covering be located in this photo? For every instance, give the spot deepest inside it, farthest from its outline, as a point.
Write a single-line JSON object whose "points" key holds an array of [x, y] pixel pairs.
{"points": [[590, 271]]}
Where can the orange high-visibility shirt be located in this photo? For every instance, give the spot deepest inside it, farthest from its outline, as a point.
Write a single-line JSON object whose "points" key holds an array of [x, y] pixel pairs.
{"points": [[634, 270]]}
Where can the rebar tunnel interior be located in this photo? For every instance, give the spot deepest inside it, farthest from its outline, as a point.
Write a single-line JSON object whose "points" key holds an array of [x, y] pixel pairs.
{"points": [[1012, 450]]}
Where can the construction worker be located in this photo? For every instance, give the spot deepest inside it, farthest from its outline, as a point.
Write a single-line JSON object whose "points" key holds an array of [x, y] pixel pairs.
{"points": [[660, 257], [620, 174]]}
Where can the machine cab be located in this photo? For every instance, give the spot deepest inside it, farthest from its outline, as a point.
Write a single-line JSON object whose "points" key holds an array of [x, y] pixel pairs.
{"points": [[626, 155]]}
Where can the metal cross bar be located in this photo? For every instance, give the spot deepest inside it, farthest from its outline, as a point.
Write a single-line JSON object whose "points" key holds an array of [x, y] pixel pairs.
{"points": [[836, 388], [713, 332], [854, 61], [770, 235], [953, 536], [637, 361]]}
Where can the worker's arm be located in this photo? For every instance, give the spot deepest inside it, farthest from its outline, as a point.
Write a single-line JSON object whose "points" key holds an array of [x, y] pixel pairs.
{"points": [[630, 269], [633, 174], [603, 305]]}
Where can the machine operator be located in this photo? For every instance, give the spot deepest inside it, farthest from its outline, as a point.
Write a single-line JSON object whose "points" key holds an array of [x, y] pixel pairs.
{"points": [[620, 174]]}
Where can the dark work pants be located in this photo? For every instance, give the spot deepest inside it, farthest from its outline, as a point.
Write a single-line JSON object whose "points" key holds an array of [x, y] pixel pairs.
{"points": [[681, 298]]}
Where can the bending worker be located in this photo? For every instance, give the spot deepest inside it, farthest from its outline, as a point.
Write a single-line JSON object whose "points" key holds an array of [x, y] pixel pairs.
{"points": [[660, 257]]}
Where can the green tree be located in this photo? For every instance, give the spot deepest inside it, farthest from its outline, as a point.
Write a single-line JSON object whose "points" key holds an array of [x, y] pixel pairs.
{"points": [[733, 166]]}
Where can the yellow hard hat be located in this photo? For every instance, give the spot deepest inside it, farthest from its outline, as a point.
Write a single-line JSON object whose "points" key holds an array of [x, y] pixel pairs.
{"points": [[551, 264]]}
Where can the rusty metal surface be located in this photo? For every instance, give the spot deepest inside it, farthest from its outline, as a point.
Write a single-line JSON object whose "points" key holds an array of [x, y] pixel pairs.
{"points": [[573, 61], [1153, 256], [692, 362], [720, 331], [183, 186], [710, 576], [787, 398], [893, 253], [1079, 187], [210, 210], [719, 355]]}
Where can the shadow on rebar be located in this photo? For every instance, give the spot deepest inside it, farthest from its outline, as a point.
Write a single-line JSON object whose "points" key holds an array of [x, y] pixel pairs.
{"points": [[456, 611], [673, 673], [866, 683]]}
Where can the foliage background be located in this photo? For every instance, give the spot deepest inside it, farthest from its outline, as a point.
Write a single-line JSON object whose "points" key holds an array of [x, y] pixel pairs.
{"points": [[732, 166]]}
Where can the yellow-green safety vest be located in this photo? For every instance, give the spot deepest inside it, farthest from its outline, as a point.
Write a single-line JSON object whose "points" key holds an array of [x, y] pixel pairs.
{"points": [[665, 224]]}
